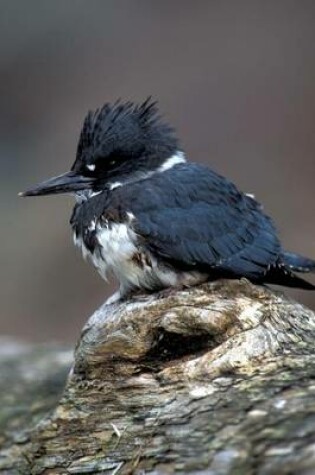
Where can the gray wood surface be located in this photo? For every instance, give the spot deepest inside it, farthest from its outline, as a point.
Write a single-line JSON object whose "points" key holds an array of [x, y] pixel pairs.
{"points": [[217, 379]]}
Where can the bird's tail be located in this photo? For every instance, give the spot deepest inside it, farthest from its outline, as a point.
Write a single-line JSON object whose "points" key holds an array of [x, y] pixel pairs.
{"points": [[283, 273], [297, 263]]}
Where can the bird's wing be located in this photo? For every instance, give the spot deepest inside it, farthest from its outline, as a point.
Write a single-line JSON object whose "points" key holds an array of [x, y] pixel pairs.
{"points": [[194, 218]]}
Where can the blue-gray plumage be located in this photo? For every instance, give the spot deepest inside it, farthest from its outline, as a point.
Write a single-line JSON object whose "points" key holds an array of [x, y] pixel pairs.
{"points": [[156, 220]]}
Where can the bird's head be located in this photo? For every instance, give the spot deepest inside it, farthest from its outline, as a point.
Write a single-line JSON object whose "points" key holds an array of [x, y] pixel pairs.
{"points": [[118, 143]]}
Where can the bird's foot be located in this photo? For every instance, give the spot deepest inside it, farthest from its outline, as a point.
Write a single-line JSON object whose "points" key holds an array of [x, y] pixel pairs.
{"points": [[170, 291], [123, 296], [138, 294], [115, 298]]}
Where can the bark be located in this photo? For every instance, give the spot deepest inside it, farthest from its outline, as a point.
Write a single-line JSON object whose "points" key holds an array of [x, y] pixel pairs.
{"points": [[217, 379]]}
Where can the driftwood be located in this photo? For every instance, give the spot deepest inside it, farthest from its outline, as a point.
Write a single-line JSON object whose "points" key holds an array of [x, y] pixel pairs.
{"points": [[218, 379]]}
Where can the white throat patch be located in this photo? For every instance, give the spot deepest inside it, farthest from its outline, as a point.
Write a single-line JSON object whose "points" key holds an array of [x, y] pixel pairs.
{"points": [[84, 195]]}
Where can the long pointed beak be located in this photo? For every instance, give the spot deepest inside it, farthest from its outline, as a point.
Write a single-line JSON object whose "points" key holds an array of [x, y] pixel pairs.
{"points": [[66, 183]]}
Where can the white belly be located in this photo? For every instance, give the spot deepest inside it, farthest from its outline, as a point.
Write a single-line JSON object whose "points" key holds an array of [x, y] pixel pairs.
{"points": [[116, 253]]}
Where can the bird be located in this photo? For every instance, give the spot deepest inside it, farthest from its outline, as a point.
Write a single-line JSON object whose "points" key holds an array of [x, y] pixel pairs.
{"points": [[157, 221]]}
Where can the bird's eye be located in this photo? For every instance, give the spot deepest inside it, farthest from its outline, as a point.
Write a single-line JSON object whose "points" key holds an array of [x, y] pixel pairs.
{"points": [[112, 163]]}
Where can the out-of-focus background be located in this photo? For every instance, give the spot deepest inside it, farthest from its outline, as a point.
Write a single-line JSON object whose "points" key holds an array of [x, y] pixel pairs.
{"points": [[237, 79]]}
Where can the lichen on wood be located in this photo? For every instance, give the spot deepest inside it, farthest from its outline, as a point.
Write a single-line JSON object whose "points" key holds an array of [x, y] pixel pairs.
{"points": [[216, 379]]}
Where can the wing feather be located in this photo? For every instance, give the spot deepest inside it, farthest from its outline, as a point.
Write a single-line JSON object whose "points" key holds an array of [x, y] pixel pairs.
{"points": [[192, 217]]}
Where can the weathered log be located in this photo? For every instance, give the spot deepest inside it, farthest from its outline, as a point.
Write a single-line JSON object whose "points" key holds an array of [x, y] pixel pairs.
{"points": [[217, 379]]}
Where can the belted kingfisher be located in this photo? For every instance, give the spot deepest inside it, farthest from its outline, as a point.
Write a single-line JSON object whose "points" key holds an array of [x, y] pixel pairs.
{"points": [[154, 219]]}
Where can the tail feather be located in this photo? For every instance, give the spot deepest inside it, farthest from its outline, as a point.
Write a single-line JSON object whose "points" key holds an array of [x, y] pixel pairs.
{"points": [[298, 263], [283, 272], [283, 276]]}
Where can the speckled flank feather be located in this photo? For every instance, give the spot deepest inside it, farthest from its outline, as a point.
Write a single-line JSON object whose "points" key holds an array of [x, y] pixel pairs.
{"points": [[115, 248]]}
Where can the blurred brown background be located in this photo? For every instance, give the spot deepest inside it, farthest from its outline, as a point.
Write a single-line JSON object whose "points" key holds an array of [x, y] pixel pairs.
{"points": [[237, 79]]}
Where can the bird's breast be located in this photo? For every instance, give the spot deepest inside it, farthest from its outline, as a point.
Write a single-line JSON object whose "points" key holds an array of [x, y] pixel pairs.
{"points": [[110, 246], [116, 251]]}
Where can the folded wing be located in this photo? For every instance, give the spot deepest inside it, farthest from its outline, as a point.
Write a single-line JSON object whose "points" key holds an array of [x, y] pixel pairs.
{"points": [[193, 218]]}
